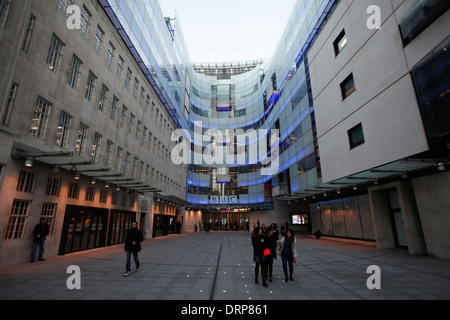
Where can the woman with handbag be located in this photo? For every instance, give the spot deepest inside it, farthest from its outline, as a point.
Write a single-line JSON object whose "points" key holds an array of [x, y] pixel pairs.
{"points": [[288, 253], [259, 246]]}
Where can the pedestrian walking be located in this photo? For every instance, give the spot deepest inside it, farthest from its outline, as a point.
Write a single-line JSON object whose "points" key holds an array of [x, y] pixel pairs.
{"points": [[288, 253], [40, 233], [259, 245], [271, 240], [133, 246]]}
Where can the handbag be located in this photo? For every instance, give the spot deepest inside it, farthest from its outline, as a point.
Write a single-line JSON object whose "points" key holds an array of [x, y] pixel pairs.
{"points": [[267, 252]]}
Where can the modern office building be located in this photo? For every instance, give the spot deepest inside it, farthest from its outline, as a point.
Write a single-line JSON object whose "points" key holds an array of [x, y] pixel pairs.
{"points": [[344, 128]]}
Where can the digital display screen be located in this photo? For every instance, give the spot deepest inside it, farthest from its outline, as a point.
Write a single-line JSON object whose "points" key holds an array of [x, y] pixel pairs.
{"points": [[299, 218]]}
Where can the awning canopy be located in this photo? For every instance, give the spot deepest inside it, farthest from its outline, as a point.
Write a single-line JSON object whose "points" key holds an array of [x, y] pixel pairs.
{"points": [[397, 169], [71, 162]]}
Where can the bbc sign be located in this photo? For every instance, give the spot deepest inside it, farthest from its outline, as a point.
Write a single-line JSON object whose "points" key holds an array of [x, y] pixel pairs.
{"points": [[223, 200]]}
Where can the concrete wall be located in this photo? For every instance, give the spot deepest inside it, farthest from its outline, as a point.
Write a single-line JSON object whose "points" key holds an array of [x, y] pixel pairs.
{"points": [[433, 203]]}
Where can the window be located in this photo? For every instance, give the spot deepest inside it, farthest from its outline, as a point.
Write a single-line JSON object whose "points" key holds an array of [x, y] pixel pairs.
{"points": [[103, 98], [48, 213], [110, 54], [421, 15], [128, 78], [81, 139], [340, 42], [123, 116], [53, 186], [26, 181], [40, 118], [74, 71], [113, 197], [10, 104], [127, 164], [28, 34], [356, 136], [63, 130], [17, 219], [54, 53], [120, 63], [90, 86], [109, 149], [98, 39], [131, 123], [95, 153], [103, 195], [85, 19], [118, 159], [64, 5], [136, 87], [74, 190], [347, 86], [431, 78], [4, 10], [90, 193], [114, 107]]}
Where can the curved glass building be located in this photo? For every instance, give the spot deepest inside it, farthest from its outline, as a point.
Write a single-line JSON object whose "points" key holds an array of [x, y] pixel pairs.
{"points": [[239, 119]]}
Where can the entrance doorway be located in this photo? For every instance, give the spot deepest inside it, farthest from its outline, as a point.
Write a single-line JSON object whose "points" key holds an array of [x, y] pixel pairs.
{"points": [[84, 228], [226, 221], [397, 219]]}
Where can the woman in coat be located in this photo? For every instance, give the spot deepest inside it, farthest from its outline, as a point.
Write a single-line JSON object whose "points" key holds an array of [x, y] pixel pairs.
{"points": [[259, 245], [288, 253], [133, 246]]}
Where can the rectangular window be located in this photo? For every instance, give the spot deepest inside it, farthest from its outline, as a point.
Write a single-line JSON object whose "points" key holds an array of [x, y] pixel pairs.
{"points": [[64, 5], [136, 87], [74, 190], [110, 54], [75, 70], [10, 104], [26, 181], [120, 63], [131, 123], [29, 33], [48, 213], [356, 136], [81, 139], [128, 78], [95, 153], [85, 20], [421, 15], [103, 98], [98, 39], [340, 42], [123, 116], [55, 53], [17, 219], [63, 130], [127, 164], [40, 118], [113, 197], [103, 195], [119, 160], [109, 149], [90, 193], [4, 10], [90, 86], [53, 186], [347, 86], [114, 107]]}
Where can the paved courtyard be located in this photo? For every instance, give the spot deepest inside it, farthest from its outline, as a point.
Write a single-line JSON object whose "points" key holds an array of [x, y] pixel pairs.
{"points": [[219, 266]]}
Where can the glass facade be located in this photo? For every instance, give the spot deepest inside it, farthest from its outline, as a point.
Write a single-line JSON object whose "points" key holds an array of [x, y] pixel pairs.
{"points": [[218, 102]]}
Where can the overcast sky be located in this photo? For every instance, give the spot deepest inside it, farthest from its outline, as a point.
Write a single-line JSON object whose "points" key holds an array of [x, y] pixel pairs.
{"points": [[232, 30]]}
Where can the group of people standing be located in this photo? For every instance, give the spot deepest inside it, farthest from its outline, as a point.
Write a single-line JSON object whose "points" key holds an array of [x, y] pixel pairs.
{"points": [[265, 242]]}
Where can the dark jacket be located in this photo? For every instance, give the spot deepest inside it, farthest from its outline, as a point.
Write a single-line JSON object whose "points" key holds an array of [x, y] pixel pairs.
{"points": [[136, 236], [40, 229], [272, 245], [258, 246]]}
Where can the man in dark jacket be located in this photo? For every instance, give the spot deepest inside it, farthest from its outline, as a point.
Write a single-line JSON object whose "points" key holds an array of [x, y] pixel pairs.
{"points": [[133, 245], [40, 233]]}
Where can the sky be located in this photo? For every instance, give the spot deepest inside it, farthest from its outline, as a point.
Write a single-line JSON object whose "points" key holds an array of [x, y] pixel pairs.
{"points": [[232, 30]]}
